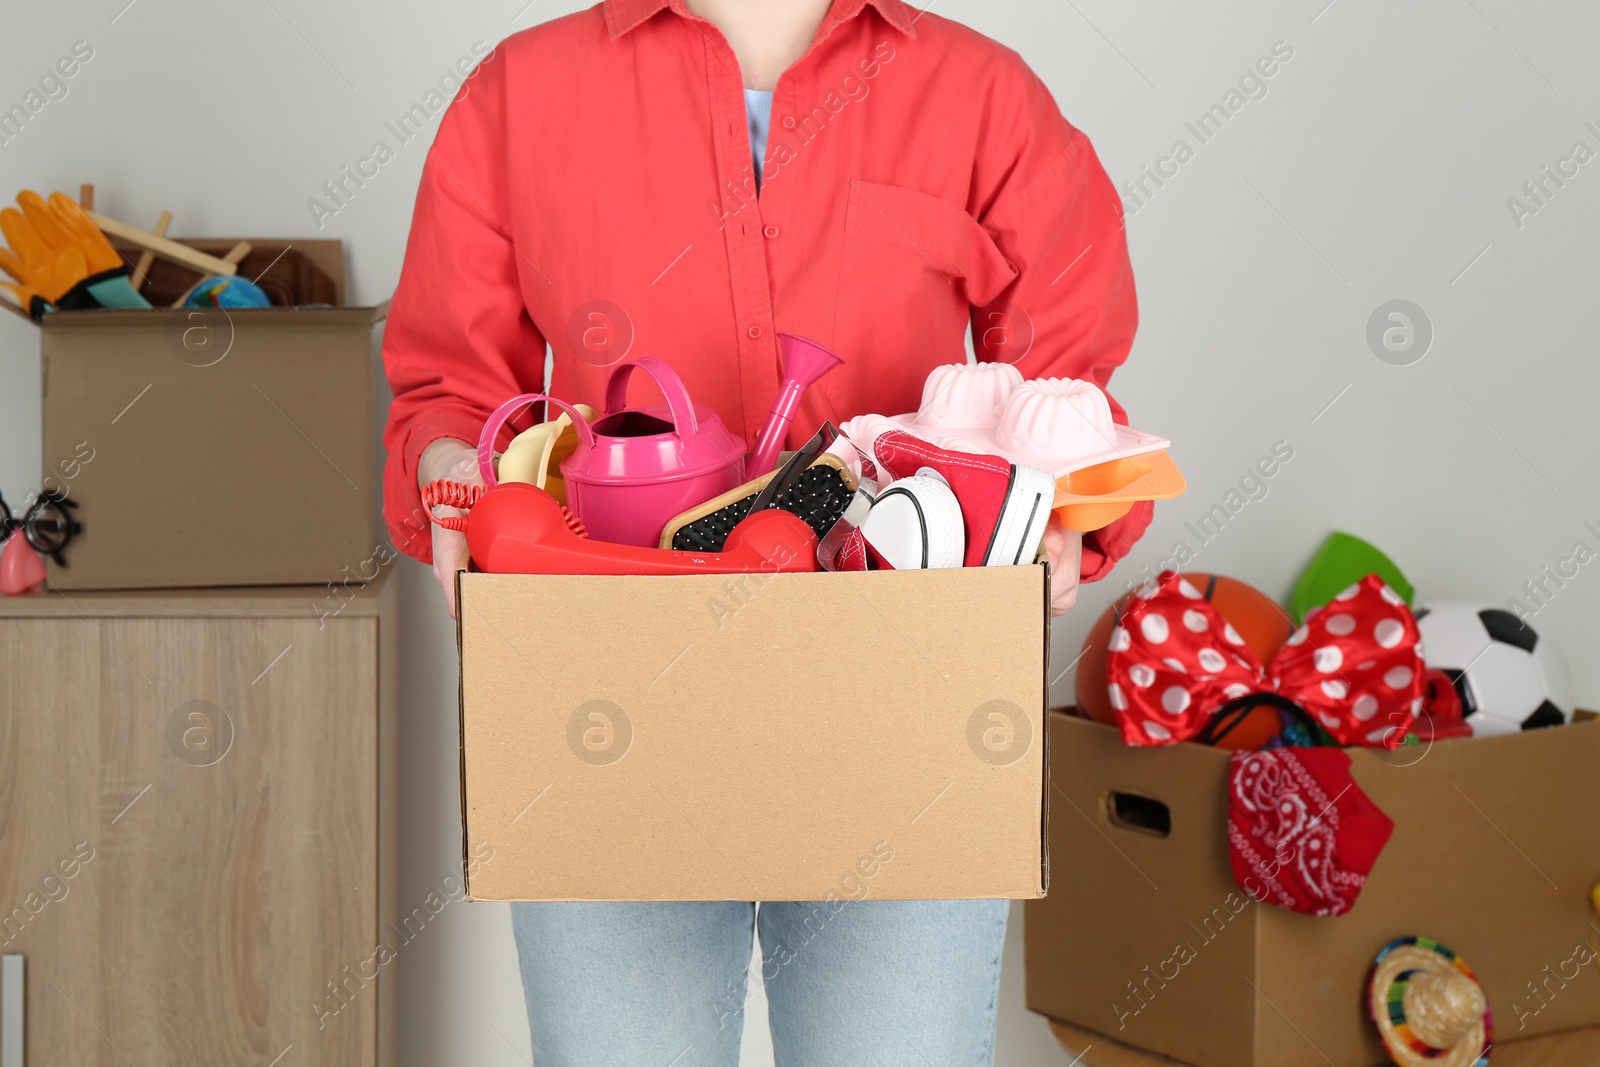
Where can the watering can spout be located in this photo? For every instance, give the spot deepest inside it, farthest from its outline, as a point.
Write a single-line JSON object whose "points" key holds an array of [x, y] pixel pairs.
{"points": [[804, 362]]}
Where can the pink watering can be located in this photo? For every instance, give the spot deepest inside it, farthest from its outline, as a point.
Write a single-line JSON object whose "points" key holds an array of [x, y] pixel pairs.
{"points": [[635, 468]]}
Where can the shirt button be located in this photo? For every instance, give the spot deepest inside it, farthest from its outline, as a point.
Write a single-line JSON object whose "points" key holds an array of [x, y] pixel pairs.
{"points": [[788, 122], [771, 232], [754, 332]]}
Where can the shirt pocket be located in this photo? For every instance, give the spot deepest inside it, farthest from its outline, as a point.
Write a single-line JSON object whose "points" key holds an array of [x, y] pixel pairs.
{"points": [[912, 268]]}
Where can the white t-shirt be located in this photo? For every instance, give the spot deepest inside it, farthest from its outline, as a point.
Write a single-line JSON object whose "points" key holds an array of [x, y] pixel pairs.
{"points": [[758, 110]]}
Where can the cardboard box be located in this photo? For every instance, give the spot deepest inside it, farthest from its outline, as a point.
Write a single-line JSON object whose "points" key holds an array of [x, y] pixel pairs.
{"points": [[754, 737], [211, 447], [1146, 938]]}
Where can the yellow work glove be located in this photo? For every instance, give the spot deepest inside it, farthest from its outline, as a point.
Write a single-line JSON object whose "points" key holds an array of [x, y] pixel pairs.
{"points": [[27, 300], [60, 254]]}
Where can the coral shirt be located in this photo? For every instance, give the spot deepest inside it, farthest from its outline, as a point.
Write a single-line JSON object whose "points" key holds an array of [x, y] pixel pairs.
{"points": [[592, 188]]}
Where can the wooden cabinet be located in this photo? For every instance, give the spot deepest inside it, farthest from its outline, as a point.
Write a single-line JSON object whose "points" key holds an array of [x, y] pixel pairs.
{"points": [[196, 825]]}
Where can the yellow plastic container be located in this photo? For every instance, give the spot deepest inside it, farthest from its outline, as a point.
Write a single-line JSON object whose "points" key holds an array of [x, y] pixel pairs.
{"points": [[534, 455]]}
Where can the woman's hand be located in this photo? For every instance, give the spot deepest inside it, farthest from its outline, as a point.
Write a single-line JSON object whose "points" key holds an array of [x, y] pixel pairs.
{"points": [[449, 459], [1065, 552]]}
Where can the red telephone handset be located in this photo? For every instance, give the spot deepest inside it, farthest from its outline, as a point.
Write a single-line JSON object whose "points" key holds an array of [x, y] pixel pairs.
{"points": [[517, 528]]}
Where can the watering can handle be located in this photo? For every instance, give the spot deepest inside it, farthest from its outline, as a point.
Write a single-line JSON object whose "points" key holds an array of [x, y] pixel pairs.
{"points": [[503, 413], [667, 380]]}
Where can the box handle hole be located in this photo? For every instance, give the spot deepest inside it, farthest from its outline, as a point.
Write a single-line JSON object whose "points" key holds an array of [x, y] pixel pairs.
{"points": [[1142, 814]]}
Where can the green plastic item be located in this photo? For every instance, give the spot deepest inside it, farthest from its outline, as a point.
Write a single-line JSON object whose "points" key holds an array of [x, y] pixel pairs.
{"points": [[117, 292], [1342, 561]]}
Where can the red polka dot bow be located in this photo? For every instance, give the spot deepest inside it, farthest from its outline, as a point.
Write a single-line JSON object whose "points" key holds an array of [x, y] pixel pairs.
{"points": [[1355, 666]]}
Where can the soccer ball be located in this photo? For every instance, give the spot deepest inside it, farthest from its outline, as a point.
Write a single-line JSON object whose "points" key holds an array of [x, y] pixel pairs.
{"points": [[1508, 677]]}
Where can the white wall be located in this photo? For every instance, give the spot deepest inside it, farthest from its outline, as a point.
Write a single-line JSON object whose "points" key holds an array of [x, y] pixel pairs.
{"points": [[1377, 167]]}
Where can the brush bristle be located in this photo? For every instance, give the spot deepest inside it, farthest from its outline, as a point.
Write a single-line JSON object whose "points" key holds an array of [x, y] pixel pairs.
{"points": [[819, 496]]}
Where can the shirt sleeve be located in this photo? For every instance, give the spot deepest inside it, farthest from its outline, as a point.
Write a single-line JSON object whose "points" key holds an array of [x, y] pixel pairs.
{"points": [[459, 339], [1071, 312]]}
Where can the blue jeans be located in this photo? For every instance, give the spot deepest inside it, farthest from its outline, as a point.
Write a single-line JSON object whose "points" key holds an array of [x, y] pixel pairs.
{"points": [[883, 982]]}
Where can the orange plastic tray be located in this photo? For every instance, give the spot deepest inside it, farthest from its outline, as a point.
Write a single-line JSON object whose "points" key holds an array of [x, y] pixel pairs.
{"points": [[1095, 497]]}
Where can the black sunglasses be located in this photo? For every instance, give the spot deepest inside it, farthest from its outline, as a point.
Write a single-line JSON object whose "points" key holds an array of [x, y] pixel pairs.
{"points": [[48, 525]]}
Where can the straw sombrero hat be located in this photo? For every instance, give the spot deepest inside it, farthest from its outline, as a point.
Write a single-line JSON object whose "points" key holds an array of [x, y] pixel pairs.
{"points": [[1594, 937], [1428, 1006]]}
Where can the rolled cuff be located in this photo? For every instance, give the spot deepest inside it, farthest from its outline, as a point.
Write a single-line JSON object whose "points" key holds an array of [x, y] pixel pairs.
{"points": [[1102, 548], [403, 513]]}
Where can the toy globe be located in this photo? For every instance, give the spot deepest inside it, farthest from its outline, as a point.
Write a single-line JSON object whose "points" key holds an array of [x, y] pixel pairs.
{"points": [[223, 291]]}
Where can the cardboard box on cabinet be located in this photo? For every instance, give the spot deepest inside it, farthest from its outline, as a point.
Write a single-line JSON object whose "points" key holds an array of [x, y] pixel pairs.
{"points": [[212, 447], [806, 737], [1146, 938]]}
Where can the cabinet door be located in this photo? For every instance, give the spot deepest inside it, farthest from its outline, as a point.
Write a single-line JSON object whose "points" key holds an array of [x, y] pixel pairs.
{"points": [[188, 838]]}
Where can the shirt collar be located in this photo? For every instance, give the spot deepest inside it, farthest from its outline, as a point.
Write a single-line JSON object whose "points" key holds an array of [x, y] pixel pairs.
{"points": [[624, 15]]}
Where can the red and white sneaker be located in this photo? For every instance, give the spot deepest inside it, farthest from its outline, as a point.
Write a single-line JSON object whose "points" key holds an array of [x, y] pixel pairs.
{"points": [[915, 524], [1005, 506]]}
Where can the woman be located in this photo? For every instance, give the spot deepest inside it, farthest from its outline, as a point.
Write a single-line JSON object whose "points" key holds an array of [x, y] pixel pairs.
{"points": [[595, 188]]}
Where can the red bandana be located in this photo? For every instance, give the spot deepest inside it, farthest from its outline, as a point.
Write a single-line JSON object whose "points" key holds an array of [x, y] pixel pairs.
{"points": [[1301, 833], [1355, 666]]}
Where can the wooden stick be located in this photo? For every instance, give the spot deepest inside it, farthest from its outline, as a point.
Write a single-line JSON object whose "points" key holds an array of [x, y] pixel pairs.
{"points": [[183, 297], [147, 259], [235, 256], [182, 255], [9, 301], [86, 196]]}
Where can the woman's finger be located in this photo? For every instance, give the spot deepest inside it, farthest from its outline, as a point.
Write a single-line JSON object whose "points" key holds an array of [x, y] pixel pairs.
{"points": [[449, 556], [1064, 549]]}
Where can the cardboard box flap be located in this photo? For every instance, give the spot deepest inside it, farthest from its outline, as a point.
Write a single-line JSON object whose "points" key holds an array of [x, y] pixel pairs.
{"points": [[1044, 798], [9, 303], [467, 866], [124, 318], [326, 253]]}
